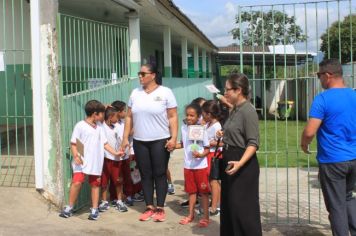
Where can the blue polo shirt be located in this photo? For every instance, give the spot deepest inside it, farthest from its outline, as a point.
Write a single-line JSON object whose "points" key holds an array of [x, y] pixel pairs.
{"points": [[336, 136]]}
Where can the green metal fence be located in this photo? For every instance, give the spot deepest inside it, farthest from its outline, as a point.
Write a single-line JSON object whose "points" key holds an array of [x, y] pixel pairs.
{"points": [[283, 84], [16, 141], [93, 53]]}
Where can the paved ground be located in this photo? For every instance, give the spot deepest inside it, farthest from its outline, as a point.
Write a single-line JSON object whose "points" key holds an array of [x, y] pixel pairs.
{"points": [[25, 212]]}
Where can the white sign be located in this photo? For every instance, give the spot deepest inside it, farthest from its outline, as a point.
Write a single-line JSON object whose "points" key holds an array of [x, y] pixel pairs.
{"points": [[2, 62], [196, 132], [95, 82], [113, 78], [212, 88]]}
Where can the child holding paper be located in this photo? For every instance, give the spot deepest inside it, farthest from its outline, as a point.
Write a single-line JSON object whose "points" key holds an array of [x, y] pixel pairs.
{"points": [[89, 134], [196, 147]]}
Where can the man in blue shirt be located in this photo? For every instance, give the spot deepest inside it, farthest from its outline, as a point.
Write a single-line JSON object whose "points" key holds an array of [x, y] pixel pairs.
{"points": [[332, 118]]}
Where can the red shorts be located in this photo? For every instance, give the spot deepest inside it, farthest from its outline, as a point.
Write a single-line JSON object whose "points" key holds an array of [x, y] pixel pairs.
{"points": [[111, 171], [79, 177], [196, 180]]}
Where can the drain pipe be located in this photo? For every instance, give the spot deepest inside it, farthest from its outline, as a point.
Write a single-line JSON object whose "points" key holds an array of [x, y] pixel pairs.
{"points": [[36, 89]]}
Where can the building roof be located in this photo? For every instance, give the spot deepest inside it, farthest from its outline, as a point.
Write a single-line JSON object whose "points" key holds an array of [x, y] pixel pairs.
{"points": [[171, 7], [259, 55]]}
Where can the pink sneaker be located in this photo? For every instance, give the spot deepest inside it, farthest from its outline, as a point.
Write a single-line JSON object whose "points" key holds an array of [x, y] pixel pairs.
{"points": [[159, 215], [147, 214]]}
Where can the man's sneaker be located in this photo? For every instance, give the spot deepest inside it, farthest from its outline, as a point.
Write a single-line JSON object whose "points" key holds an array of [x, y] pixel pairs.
{"points": [[121, 207], [94, 214], [185, 204], [129, 201], [113, 203], [171, 189], [159, 215], [66, 212], [137, 198], [214, 213], [104, 206], [147, 214]]}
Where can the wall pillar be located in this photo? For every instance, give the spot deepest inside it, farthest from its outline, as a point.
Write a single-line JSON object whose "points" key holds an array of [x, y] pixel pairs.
{"points": [[196, 61], [203, 60], [210, 69], [184, 47], [135, 43], [167, 52], [46, 100]]}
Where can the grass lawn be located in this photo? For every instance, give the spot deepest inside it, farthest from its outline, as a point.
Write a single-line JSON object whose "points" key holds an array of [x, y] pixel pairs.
{"points": [[280, 145]]}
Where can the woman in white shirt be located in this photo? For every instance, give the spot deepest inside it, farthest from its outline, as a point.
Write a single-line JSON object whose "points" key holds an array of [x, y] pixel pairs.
{"points": [[152, 113]]}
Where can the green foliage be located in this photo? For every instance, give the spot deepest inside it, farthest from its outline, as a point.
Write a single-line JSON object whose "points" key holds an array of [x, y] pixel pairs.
{"points": [[260, 25], [345, 35]]}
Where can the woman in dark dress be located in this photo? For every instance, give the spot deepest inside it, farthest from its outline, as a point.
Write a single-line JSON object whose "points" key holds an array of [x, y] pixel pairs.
{"points": [[239, 169]]}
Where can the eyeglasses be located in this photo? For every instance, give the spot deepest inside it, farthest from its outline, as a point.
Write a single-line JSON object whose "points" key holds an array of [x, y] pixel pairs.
{"points": [[143, 74], [228, 89]]}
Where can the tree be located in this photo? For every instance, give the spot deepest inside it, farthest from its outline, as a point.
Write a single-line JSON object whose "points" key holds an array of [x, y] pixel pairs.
{"points": [[286, 31], [331, 43]]}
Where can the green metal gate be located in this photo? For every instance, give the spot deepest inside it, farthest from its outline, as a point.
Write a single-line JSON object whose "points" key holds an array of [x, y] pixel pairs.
{"points": [[16, 131], [94, 65], [279, 49]]}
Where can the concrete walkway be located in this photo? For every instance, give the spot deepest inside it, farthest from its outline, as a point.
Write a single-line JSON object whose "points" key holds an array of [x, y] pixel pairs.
{"points": [[25, 212]]}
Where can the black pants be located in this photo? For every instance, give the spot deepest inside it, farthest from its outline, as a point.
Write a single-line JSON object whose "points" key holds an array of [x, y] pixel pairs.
{"points": [[152, 158], [240, 208], [337, 182]]}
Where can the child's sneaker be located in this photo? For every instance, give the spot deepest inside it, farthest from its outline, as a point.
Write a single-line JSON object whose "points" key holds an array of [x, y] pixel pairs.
{"points": [[104, 206], [214, 213], [159, 215], [94, 214], [66, 212], [170, 189], [113, 203], [129, 201], [137, 198], [121, 207], [147, 214]]}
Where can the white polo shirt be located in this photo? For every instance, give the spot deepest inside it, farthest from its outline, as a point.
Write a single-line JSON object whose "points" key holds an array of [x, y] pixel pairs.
{"points": [[93, 139], [211, 131], [191, 162], [149, 112]]}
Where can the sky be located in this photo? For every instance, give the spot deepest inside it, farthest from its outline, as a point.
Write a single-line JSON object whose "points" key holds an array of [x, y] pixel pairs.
{"points": [[215, 18]]}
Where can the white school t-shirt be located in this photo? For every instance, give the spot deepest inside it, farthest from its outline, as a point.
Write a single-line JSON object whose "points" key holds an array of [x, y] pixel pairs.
{"points": [[120, 126], [114, 140], [211, 131], [93, 139], [149, 112], [191, 162]]}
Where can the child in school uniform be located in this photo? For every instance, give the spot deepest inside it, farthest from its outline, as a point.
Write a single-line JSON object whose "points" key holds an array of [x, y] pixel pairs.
{"points": [[211, 115], [112, 170], [196, 179], [129, 188], [88, 132]]}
